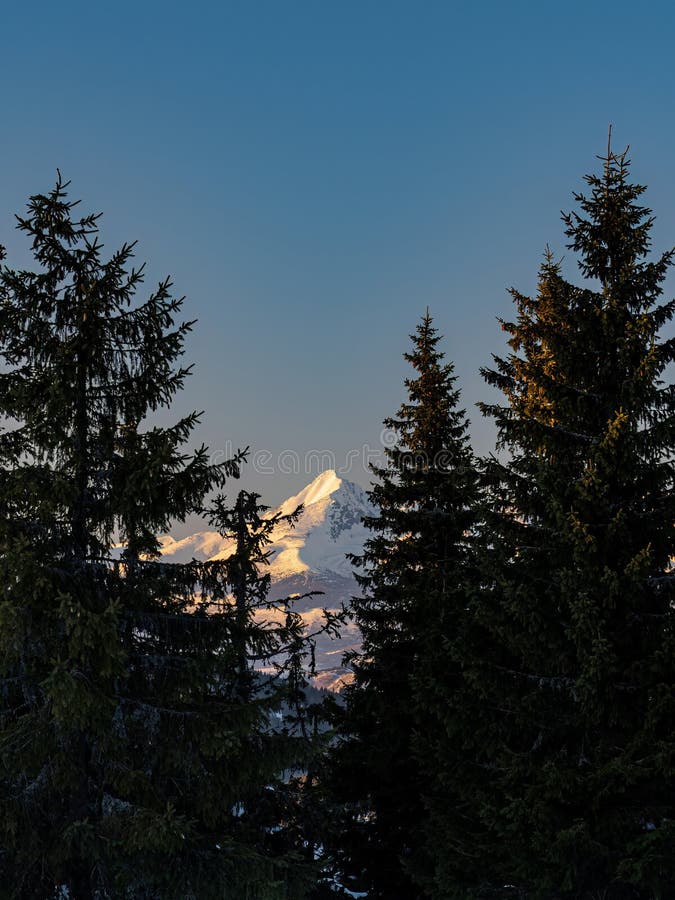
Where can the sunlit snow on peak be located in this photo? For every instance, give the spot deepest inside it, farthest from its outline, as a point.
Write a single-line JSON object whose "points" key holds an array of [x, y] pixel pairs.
{"points": [[322, 487], [329, 528]]}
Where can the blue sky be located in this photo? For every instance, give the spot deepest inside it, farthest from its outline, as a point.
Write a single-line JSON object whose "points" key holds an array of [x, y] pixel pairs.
{"points": [[314, 174]]}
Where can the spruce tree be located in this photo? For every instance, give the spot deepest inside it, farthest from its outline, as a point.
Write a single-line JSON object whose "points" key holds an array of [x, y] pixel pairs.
{"points": [[128, 748], [568, 656], [270, 664], [412, 574]]}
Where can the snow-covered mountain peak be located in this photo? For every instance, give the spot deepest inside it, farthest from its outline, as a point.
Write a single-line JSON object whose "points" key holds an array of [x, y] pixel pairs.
{"points": [[309, 556], [328, 529], [321, 488]]}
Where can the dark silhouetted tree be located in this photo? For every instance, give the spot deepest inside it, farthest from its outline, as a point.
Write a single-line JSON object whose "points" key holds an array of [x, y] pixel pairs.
{"points": [[413, 576], [568, 768], [132, 732]]}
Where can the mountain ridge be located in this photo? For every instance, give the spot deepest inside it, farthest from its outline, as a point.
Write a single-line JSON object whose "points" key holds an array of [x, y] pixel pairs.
{"points": [[329, 528], [310, 556]]}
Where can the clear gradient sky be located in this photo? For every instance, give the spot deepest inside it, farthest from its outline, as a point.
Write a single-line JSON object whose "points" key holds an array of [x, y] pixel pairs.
{"points": [[313, 174]]}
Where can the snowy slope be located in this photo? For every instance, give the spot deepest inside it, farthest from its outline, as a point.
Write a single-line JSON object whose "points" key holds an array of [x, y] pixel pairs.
{"points": [[309, 557], [329, 528]]}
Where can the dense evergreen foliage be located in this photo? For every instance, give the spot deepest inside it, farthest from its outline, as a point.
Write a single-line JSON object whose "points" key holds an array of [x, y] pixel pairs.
{"points": [[413, 571], [569, 646], [510, 728], [135, 749]]}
